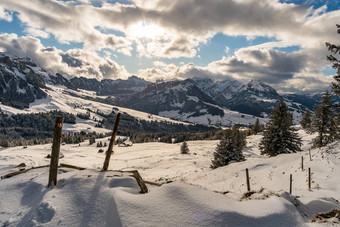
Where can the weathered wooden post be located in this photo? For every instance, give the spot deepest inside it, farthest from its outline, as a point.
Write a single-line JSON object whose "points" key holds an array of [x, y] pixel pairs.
{"points": [[302, 163], [310, 155], [113, 138], [309, 179], [55, 151], [290, 183], [247, 176]]}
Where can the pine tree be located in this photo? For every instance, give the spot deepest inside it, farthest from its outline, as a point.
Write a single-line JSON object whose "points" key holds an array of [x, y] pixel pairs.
{"points": [[184, 148], [323, 122], [92, 140], [239, 138], [279, 136], [229, 149], [306, 120], [257, 127]]}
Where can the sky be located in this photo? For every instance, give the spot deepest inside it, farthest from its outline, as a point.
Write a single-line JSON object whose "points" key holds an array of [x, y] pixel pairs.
{"points": [[281, 42]]}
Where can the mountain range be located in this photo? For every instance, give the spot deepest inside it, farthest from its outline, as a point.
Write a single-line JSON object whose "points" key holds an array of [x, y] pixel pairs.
{"points": [[196, 100]]}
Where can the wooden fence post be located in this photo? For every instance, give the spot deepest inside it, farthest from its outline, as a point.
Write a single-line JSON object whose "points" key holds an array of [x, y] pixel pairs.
{"points": [[55, 151], [310, 155], [113, 138], [302, 163], [309, 179], [247, 176], [290, 183]]}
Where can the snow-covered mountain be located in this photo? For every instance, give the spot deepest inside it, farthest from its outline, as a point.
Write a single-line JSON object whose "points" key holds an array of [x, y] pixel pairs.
{"points": [[256, 98], [184, 101], [220, 91], [197, 100], [182, 96], [19, 82]]}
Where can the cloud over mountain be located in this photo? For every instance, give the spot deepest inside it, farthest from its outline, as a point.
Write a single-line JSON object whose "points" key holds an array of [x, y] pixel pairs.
{"points": [[165, 30]]}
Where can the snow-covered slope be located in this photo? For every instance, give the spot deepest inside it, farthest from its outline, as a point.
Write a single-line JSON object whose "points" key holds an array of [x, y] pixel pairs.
{"points": [[19, 84], [58, 98], [219, 91], [184, 101], [198, 195]]}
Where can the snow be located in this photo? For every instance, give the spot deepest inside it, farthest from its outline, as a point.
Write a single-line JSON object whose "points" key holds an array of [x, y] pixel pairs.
{"points": [[228, 119], [193, 98], [197, 196], [59, 99], [258, 99]]}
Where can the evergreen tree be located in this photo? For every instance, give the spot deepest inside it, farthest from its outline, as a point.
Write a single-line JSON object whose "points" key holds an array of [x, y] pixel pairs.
{"points": [[229, 149], [279, 136], [184, 148], [92, 140], [323, 122], [306, 120], [239, 138], [257, 127]]}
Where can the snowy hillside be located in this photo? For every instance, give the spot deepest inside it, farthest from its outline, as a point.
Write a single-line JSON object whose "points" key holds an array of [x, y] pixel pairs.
{"points": [[197, 100], [59, 99], [197, 196]]}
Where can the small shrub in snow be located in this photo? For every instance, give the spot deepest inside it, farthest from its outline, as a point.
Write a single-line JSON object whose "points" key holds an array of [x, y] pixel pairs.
{"points": [[92, 140], [184, 148]]}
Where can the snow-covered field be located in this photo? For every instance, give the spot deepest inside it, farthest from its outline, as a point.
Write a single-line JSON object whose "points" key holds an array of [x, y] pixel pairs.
{"points": [[196, 196]]}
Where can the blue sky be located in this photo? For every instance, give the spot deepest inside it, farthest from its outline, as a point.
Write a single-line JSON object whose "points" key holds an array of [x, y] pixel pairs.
{"points": [[278, 42]]}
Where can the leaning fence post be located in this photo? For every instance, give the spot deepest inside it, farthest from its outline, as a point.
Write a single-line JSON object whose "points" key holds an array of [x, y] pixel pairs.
{"points": [[310, 155], [247, 176], [113, 138], [55, 151], [290, 183], [309, 179]]}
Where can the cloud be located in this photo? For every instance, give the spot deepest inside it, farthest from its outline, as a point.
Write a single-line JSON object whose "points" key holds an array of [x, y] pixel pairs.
{"points": [[74, 62], [181, 47], [5, 15], [227, 49], [269, 65], [66, 21], [286, 72], [37, 33], [233, 17], [31, 47], [171, 29], [166, 29]]}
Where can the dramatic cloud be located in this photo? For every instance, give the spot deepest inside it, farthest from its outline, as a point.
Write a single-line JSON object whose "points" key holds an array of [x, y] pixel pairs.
{"points": [[287, 72], [75, 62], [67, 22], [268, 65], [168, 29]]}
